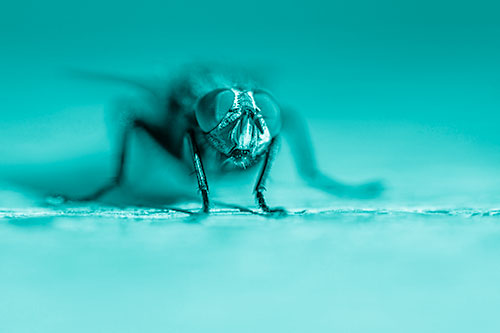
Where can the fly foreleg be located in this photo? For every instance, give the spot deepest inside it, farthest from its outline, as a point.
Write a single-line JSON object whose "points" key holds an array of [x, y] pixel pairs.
{"points": [[200, 172], [260, 187]]}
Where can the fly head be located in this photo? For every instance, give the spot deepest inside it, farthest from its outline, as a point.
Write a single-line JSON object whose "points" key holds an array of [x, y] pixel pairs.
{"points": [[239, 123]]}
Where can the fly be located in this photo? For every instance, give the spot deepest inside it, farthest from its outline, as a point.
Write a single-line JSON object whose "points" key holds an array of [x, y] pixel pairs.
{"points": [[235, 123]]}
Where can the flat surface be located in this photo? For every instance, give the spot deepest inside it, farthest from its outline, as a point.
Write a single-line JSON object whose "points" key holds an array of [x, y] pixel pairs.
{"points": [[352, 267], [105, 269]]}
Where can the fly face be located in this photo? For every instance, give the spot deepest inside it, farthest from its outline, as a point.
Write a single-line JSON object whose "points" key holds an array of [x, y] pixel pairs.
{"points": [[239, 123]]}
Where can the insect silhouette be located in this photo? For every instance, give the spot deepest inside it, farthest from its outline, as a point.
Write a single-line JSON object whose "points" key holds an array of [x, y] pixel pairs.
{"points": [[228, 121]]}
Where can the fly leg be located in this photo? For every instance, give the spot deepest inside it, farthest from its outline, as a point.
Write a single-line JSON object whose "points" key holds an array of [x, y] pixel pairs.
{"points": [[260, 187], [120, 169], [295, 128], [200, 172]]}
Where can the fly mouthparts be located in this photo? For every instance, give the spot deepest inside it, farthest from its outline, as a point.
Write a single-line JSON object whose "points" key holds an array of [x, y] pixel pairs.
{"points": [[238, 153]]}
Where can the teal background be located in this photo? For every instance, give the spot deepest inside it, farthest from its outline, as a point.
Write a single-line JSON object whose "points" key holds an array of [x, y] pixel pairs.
{"points": [[404, 91], [381, 79]]}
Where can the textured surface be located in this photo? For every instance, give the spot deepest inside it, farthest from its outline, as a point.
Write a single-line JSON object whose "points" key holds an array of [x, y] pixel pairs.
{"points": [[131, 270]]}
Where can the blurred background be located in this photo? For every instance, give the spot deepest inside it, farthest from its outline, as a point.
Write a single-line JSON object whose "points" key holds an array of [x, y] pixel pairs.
{"points": [[403, 91]]}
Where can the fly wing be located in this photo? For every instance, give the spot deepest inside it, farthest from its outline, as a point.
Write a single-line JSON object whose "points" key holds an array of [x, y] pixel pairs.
{"points": [[150, 105], [154, 87], [296, 132]]}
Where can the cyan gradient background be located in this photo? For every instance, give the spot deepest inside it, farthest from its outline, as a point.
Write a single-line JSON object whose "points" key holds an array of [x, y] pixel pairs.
{"points": [[407, 88], [407, 91]]}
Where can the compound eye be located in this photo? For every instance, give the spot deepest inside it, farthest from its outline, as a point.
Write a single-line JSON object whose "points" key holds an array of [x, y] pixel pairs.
{"points": [[212, 107], [270, 112]]}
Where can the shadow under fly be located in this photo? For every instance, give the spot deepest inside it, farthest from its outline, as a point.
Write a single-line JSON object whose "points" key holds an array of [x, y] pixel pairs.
{"points": [[224, 119]]}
